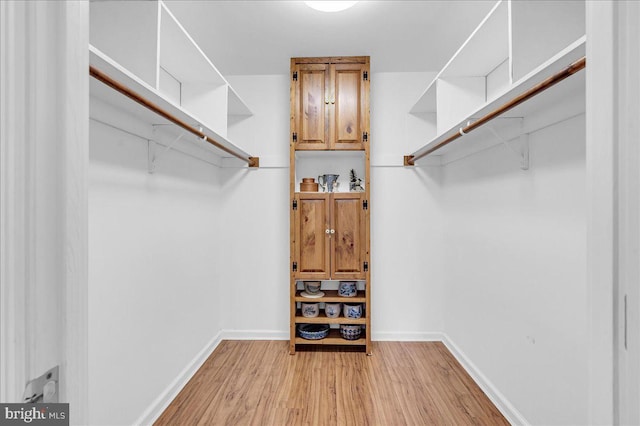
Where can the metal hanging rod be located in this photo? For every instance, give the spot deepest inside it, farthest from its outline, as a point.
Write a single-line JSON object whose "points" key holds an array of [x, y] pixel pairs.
{"points": [[409, 160], [100, 76]]}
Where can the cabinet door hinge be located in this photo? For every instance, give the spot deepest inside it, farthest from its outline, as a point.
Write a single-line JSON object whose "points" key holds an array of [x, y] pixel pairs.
{"points": [[365, 137], [365, 204], [295, 204], [295, 137], [295, 266], [295, 76], [366, 266], [365, 75]]}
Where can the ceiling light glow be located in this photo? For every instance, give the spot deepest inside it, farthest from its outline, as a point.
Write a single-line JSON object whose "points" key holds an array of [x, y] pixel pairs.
{"points": [[330, 5]]}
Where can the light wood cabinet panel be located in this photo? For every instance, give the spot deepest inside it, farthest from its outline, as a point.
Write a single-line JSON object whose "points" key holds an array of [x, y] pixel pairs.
{"points": [[330, 232], [348, 124], [330, 106], [348, 253], [312, 246], [329, 237], [311, 113]]}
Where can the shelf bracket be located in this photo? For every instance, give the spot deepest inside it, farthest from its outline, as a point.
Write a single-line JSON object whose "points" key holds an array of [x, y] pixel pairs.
{"points": [[523, 154], [152, 152]]}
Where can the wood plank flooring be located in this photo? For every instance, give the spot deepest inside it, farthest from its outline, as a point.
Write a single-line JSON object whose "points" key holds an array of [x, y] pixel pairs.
{"points": [[259, 383]]}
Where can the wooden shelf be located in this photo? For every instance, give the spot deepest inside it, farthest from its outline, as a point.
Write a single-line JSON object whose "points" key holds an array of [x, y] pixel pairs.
{"points": [[331, 296], [322, 319], [334, 338]]}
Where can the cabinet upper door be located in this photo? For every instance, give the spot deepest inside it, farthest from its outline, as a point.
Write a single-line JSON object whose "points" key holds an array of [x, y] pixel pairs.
{"points": [[349, 112], [330, 106], [310, 106], [311, 240], [348, 241]]}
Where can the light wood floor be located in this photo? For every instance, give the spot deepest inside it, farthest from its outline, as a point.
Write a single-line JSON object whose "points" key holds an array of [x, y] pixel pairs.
{"points": [[259, 383]]}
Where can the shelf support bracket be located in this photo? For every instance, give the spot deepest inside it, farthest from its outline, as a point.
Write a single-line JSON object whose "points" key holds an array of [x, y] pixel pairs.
{"points": [[152, 153], [523, 155]]}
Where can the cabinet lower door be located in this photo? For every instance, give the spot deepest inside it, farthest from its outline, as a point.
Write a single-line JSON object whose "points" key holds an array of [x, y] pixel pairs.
{"points": [[311, 239], [348, 239]]}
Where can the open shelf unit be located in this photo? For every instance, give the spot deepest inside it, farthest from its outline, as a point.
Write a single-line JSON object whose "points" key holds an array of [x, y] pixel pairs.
{"points": [[330, 228], [516, 46], [144, 47]]}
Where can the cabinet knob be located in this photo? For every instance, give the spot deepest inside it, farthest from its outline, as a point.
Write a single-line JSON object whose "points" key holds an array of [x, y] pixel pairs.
{"points": [[333, 231], [327, 231], [333, 101], [326, 101]]}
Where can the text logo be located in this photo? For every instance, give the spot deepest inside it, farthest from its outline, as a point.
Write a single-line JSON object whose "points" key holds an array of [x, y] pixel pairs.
{"points": [[48, 414]]}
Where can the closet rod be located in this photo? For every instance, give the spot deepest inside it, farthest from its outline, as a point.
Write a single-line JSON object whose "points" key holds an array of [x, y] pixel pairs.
{"points": [[99, 75], [580, 64]]}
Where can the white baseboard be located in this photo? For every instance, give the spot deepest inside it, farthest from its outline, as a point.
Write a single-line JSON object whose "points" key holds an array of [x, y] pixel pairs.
{"points": [[499, 400], [157, 407], [403, 336]]}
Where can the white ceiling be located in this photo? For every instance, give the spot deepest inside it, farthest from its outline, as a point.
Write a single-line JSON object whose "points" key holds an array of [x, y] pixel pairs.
{"points": [[259, 37]]}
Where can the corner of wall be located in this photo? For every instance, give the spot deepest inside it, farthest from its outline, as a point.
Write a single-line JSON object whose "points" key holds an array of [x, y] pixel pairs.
{"points": [[157, 407], [501, 402]]}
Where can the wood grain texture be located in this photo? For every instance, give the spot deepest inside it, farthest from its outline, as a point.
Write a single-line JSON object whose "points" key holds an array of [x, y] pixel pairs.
{"points": [[312, 242], [312, 107], [346, 100], [348, 242], [259, 383]]}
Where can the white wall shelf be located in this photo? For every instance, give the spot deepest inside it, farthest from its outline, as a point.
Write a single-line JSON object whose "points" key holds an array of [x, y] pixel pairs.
{"points": [[479, 78], [111, 97], [156, 57]]}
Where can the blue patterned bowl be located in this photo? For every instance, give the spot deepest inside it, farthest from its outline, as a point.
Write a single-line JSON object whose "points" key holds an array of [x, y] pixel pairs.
{"points": [[350, 331], [352, 311], [332, 310], [313, 331], [310, 310], [347, 289]]}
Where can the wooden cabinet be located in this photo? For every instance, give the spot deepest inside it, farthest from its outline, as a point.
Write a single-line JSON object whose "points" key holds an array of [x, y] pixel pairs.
{"points": [[329, 237], [330, 105], [330, 231]]}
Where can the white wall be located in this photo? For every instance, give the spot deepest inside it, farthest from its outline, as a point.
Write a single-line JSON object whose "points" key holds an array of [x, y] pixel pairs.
{"points": [[256, 202], [515, 271], [406, 216], [154, 250], [492, 255]]}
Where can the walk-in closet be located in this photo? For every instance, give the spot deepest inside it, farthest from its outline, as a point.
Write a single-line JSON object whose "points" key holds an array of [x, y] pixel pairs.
{"points": [[259, 212]]}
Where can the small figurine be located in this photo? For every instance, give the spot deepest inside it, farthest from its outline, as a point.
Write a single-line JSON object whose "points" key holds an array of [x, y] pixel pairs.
{"points": [[355, 183]]}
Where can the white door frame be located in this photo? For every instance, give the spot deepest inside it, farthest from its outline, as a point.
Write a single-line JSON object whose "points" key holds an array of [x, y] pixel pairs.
{"points": [[627, 321], [44, 117], [613, 182]]}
